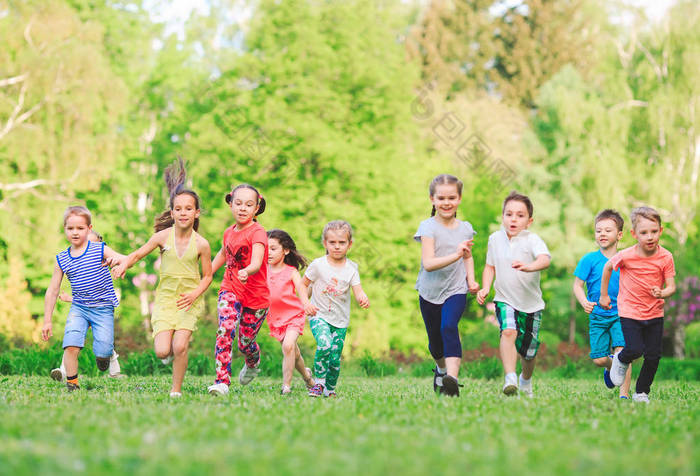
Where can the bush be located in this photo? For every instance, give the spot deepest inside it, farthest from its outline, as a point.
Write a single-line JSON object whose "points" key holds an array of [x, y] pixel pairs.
{"points": [[692, 340], [376, 368], [489, 368]]}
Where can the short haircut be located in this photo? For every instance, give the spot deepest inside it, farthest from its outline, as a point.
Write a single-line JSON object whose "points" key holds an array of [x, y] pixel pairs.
{"points": [[610, 214], [336, 225], [518, 197], [644, 212], [77, 211]]}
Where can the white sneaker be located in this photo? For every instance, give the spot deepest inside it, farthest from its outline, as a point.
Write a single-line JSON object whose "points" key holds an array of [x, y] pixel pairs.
{"points": [[59, 375], [218, 389], [168, 360], [175, 394], [510, 387], [618, 370], [640, 397], [247, 374], [114, 368], [525, 388]]}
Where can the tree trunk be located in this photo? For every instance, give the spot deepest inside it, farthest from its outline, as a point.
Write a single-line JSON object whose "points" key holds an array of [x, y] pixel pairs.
{"points": [[572, 319], [678, 341]]}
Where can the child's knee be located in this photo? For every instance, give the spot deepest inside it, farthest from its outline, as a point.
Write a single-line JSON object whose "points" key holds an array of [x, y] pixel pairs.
{"points": [[449, 329], [180, 348], [288, 348], [162, 351], [509, 334]]}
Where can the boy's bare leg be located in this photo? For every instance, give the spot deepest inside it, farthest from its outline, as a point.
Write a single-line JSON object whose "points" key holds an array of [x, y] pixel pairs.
{"points": [[604, 361], [180, 346], [509, 355], [528, 368], [70, 359]]}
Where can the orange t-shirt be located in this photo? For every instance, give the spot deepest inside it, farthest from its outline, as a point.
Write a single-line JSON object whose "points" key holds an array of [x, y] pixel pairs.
{"points": [[238, 249], [638, 274]]}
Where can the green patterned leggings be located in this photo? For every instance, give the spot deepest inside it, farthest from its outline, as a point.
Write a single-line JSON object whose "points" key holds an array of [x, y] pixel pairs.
{"points": [[329, 347]]}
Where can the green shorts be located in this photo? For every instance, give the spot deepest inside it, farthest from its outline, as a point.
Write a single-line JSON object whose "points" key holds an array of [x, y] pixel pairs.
{"points": [[526, 324]]}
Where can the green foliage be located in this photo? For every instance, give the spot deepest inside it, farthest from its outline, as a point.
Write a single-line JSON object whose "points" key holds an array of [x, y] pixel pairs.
{"points": [[376, 368], [692, 340]]}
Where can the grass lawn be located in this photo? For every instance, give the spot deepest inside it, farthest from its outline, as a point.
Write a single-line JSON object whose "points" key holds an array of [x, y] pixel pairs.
{"points": [[393, 425]]}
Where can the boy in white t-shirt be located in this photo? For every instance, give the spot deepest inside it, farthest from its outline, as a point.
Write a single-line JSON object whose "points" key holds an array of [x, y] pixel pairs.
{"points": [[516, 256], [331, 278]]}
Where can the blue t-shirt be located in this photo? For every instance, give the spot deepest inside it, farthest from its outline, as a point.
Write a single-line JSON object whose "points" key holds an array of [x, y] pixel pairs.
{"points": [[90, 282], [590, 270]]}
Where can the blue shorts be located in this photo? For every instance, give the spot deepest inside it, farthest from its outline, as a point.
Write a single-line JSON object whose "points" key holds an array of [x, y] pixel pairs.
{"points": [[604, 332], [101, 319]]}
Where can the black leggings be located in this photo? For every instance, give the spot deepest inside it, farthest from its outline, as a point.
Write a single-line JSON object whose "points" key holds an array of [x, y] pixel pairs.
{"points": [[441, 323], [642, 338]]}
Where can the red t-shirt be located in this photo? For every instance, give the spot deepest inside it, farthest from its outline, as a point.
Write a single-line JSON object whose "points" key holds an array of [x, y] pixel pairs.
{"points": [[238, 249], [638, 274]]}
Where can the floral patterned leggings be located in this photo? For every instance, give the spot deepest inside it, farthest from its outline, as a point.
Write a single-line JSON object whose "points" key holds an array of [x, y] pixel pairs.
{"points": [[233, 315]]}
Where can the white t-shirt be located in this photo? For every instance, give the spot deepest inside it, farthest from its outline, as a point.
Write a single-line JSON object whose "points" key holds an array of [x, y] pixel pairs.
{"points": [[520, 289], [330, 290]]}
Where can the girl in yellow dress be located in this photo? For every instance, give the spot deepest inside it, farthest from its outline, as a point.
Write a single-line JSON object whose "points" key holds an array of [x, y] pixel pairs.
{"points": [[178, 304]]}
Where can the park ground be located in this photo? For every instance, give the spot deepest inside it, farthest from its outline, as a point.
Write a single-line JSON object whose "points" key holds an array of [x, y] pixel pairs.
{"points": [[390, 425]]}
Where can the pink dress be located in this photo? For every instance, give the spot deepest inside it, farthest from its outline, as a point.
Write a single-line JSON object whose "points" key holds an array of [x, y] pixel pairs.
{"points": [[286, 310]]}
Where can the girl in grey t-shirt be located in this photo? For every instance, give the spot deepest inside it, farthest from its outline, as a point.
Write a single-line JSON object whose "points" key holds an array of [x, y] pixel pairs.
{"points": [[446, 275]]}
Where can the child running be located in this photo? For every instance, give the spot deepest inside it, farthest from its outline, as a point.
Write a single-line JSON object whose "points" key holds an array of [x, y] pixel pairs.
{"points": [[331, 278], [93, 296], [446, 274], [516, 256], [287, 318], [244, 297], [644, 269], [177, 304], [604, 326], [115, 370]]}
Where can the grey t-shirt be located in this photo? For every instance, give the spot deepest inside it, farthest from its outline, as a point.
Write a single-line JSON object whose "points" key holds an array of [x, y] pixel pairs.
{"points": [[438, 285]]}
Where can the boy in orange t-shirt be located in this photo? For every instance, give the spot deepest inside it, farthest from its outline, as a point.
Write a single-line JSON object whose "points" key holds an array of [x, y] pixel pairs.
{"points": [[644, 268]]}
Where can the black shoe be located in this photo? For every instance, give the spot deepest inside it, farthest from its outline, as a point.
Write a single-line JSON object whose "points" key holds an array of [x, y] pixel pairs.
{"points": [[436, 373], [450, 386], [102, 363], [72, 387]]}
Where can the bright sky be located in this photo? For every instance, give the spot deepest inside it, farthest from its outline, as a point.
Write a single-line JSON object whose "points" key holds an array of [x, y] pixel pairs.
{"points": [[176, 12]]}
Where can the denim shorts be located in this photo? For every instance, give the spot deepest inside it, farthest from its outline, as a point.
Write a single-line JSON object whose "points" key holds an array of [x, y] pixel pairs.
{"points": [[101, 319], [604, 332]]}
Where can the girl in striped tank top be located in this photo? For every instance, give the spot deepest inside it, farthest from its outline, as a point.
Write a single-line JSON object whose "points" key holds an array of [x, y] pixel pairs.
{"points": [[93, 297], [286, 317], [178, 302]]}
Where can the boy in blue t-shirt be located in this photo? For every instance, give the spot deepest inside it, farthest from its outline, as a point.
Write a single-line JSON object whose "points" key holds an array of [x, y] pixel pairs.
{"points": [[604, 326]]}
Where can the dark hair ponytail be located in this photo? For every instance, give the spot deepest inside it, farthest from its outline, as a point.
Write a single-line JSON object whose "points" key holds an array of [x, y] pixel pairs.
{"points": [[259, 198], [444, 179], [293, 258], [175, 176]]}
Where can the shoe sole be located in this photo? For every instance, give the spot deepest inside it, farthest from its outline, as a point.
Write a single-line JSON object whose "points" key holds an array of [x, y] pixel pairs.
{"points": [[510, 390], [57, 375], [216, 393], [450, 387], [117, 376]]}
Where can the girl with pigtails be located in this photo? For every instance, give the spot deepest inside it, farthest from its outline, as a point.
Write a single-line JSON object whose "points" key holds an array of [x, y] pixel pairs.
{"points": [[244, 297], [178, 302]]}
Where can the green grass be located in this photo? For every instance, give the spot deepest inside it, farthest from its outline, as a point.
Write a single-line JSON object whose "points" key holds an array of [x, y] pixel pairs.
{"points": [[392, 425]]}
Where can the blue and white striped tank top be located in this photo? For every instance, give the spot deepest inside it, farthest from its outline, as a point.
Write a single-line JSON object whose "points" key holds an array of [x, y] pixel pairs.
{"points": [[90, 282]]}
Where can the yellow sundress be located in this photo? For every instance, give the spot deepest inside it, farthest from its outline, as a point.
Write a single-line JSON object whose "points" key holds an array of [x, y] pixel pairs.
{"points": [[178, 275]]}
